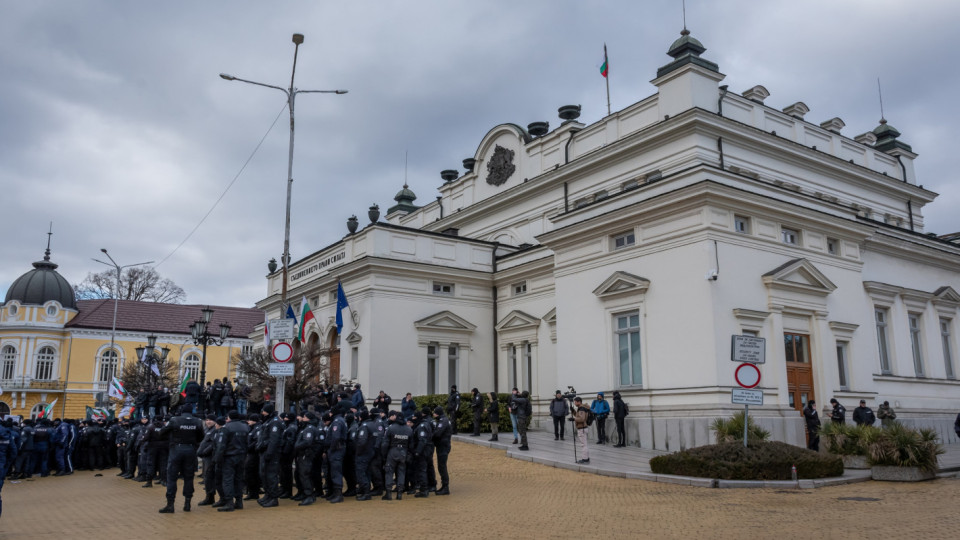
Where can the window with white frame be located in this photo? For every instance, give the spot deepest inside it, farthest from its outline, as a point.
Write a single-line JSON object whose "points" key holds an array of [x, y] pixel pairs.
{"points": [[433, 374], [833, 246], [453, 364], [443, 289], [947, 350], [37, 409], [842, 364], [354, 363], [51, 311], [519, 288], [741, 224], [623, 240], [512, 367], [190, 367], [12, 310], [914, 320], [789, 236], [883, 344], [108, 365], [9, 358], [44, 366], [627, 336], [332, 296], [246, 351]]}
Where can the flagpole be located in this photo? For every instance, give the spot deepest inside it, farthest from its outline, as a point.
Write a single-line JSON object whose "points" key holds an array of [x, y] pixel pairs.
{"points": [[607, 77]]}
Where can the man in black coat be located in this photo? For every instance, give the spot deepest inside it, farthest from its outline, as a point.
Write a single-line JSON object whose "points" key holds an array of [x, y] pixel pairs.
{"points": [[184, 433], [476, 402], [812, 420], [192, 397]]}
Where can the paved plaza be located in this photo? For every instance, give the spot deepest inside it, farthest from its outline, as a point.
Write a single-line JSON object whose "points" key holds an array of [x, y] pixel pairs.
{"points": [[495, 496]]}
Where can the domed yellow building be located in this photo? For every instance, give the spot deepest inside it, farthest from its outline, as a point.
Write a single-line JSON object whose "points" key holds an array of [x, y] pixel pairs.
{"points": [[54, 347]]}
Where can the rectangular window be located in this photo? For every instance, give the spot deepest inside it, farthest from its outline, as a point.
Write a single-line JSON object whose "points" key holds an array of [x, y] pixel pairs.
{"points": [[789, 236], [433, 373], [741, 224], [8, 369], [947, 350], [332, 296], [453, 364], [624, 240], [511, 366], [796, 348], [751, 333], [528, 367], [246, 351], [443, 289], [627, 336], [882, 343], [519, 288], [580, 204], [833, 246], [630, 184], [842, 364], [315, 301], [601, 195], [914, 319], [354, 363]]}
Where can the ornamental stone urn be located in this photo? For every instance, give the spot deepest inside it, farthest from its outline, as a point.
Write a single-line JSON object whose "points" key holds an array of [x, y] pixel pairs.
{"points": [[449, 175], [469, 163], [374, 213], [352, 224], [272, 265]]}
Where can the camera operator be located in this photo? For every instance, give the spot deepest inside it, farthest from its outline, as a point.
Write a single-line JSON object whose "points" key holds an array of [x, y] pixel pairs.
{"points": [[580, 414]]}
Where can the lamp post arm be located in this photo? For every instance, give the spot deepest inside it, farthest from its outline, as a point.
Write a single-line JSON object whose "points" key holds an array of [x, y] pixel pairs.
{"points": [[284, 90]]}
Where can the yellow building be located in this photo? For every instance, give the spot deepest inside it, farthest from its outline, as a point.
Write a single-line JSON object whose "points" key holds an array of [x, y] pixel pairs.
{"points": [[54, 347]]}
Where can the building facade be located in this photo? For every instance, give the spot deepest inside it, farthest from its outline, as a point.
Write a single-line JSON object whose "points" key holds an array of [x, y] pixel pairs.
{"points": [[53, 347], [623, 255]]}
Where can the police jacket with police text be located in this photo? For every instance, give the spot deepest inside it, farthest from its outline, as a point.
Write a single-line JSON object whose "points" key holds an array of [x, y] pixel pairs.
{"points": [[399, 435], [183, 429]]}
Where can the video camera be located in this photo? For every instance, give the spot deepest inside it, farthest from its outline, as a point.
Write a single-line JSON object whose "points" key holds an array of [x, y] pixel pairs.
{"points": [[569, 396]]}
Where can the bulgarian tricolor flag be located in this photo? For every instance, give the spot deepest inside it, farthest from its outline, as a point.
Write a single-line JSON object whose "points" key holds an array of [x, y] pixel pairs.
{"points": [[47, 412], [183, 385], [116, 389], [604, 67], [306, 315]]}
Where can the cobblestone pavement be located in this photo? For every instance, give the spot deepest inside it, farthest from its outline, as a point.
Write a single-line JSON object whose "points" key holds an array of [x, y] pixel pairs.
{"points": [[495, 497]]}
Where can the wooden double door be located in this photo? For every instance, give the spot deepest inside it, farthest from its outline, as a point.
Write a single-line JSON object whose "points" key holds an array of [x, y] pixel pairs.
{"points": [[799, 370]]}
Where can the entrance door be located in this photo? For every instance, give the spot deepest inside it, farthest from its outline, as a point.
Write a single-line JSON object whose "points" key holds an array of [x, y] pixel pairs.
{"points": [[799, 372], [334, 359]]}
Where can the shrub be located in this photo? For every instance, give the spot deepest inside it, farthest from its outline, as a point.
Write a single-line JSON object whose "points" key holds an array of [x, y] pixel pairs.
{"points": [[758, 461], [731, 429], [465, 418], [901, 446], [848, 439]]}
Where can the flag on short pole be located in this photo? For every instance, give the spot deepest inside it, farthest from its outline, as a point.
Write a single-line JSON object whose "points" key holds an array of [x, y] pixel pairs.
{"points": [[183, 384], [604, 67], [266, 331], [341, 304], [306, 315], [47, 411], [116, 389]]}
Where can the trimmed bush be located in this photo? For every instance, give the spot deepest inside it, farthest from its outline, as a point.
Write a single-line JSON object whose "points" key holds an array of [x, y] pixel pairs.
{"points": [[848, 439], [758, 461], [465, 418], [731, 429], [901, 446]]}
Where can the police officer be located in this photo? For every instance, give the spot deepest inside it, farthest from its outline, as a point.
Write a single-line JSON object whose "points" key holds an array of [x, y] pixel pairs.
{"points": [[396, 443], [476, 402], [287, 455], [205, 452], [424, 453], [25, 457], [41, 446], [251, 469], [231, 450], [349, 457], [184, 432], [363, 441], [442, 432], [453, 406], [133, 435], [150, 444], [337, 441], [305, 448], [378, 428], [269, 445], [8, 454]]}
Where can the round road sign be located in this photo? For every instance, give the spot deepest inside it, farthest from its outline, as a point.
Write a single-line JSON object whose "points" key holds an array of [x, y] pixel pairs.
{"points": [[282, 352], [747, 375]]}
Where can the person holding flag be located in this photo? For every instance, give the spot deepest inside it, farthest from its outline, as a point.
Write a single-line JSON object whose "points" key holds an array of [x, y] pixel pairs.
{"points": [[190, 392]]}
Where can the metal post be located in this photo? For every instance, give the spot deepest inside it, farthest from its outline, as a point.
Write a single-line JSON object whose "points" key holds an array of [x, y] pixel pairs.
{"points": [[746, 422]]}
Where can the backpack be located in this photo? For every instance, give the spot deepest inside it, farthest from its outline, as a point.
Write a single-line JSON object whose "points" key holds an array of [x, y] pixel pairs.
{"points": [[590, 417], [626, 409]]}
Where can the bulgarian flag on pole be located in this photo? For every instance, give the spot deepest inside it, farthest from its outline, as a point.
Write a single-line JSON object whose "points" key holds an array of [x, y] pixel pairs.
{"points": [[116, 389], [47, 412], [604, 67], [183, 385], [306, 315]]}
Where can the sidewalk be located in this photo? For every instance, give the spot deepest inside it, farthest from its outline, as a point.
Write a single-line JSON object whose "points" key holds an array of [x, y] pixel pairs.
{"points": [[633, 462]]}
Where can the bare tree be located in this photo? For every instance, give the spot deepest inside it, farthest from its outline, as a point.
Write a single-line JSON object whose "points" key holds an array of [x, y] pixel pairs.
{"points": [[138, 377], [309, 372], [137, 283]]}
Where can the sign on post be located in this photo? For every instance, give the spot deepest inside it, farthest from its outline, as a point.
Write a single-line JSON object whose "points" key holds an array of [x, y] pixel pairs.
{"points": [[747, 375], [281, 329], [282, 352], [748, 349], [743, 396], [278, 369]]}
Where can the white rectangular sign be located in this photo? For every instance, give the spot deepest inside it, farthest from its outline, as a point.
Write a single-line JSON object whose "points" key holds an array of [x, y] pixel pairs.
{"points": [[278, 369], [742, 396], [281, 329], [748, 349]]}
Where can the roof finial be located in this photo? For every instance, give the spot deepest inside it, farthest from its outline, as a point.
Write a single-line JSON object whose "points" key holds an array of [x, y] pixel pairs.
{"points": [[883, 119], [405, 169], [684, 32], [46, 254]]}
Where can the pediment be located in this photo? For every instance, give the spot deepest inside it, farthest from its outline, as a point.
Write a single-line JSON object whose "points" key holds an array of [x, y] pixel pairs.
{"points": [[517, 319], [445, 320], [551, 316], [799, 275], [946, 294], [354, 338], [620, 283]]}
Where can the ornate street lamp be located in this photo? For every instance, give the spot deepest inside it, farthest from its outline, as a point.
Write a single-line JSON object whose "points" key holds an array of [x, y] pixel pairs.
{"points": [[148, 354], [201, 336]]}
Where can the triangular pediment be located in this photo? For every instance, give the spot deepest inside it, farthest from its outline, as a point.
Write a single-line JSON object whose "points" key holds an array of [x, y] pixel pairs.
{"points": [[517, 319], [946, 294], [799, 275], [622, 283], [551, 316], [445, 320], [354, 338]]}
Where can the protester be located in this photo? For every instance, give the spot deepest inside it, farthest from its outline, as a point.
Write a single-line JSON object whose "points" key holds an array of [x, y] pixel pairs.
{"points": [[886, 414]]}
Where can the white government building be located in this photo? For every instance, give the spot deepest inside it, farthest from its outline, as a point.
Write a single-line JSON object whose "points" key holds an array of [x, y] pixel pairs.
{"points": [[623, 255]]}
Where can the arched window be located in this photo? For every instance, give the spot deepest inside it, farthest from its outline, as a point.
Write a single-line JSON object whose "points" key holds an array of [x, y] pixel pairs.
{"points": [[45, 358], [4, 409], [108, 365], [37, 409], [190, 365], [8, 357]]}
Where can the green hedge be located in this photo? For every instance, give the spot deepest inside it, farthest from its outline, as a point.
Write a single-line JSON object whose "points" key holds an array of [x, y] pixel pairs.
{"points": [[758, 461], [465, 418]]}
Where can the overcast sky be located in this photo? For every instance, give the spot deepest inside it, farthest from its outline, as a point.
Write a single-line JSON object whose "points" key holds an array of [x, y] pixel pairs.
{"points": [[115, 126]]}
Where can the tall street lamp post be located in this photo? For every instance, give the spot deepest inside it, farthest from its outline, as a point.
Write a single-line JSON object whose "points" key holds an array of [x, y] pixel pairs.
{"points": [[146, 354], [291, 94], [201, 336]]}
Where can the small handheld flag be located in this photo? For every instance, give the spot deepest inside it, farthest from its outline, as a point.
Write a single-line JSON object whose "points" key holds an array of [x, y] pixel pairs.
{"points": [[116, 389]]}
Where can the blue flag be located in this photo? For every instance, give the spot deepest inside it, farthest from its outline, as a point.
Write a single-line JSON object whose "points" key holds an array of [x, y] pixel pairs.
{"points": [[341, 303], [290, 314]]}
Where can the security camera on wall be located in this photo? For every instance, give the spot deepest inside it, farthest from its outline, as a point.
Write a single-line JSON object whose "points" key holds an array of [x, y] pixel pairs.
{"points": [[712, 275]]}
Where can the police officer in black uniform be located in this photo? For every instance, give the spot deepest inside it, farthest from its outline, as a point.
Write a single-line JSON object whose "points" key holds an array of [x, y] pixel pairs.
{"points": [[337, 441], [442, 432], [396, 443], [378, 428], [230, 455], [287, 455], [306, 449], [205, 452], [424, 453], [251, 469], [185, 433], [363, 441], [350, 456], [269, 445]]}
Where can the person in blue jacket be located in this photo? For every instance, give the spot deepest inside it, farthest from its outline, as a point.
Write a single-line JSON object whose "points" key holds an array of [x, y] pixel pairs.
{"points": [[8, 453], [408, 407], [600, 409], [357, 401]]}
